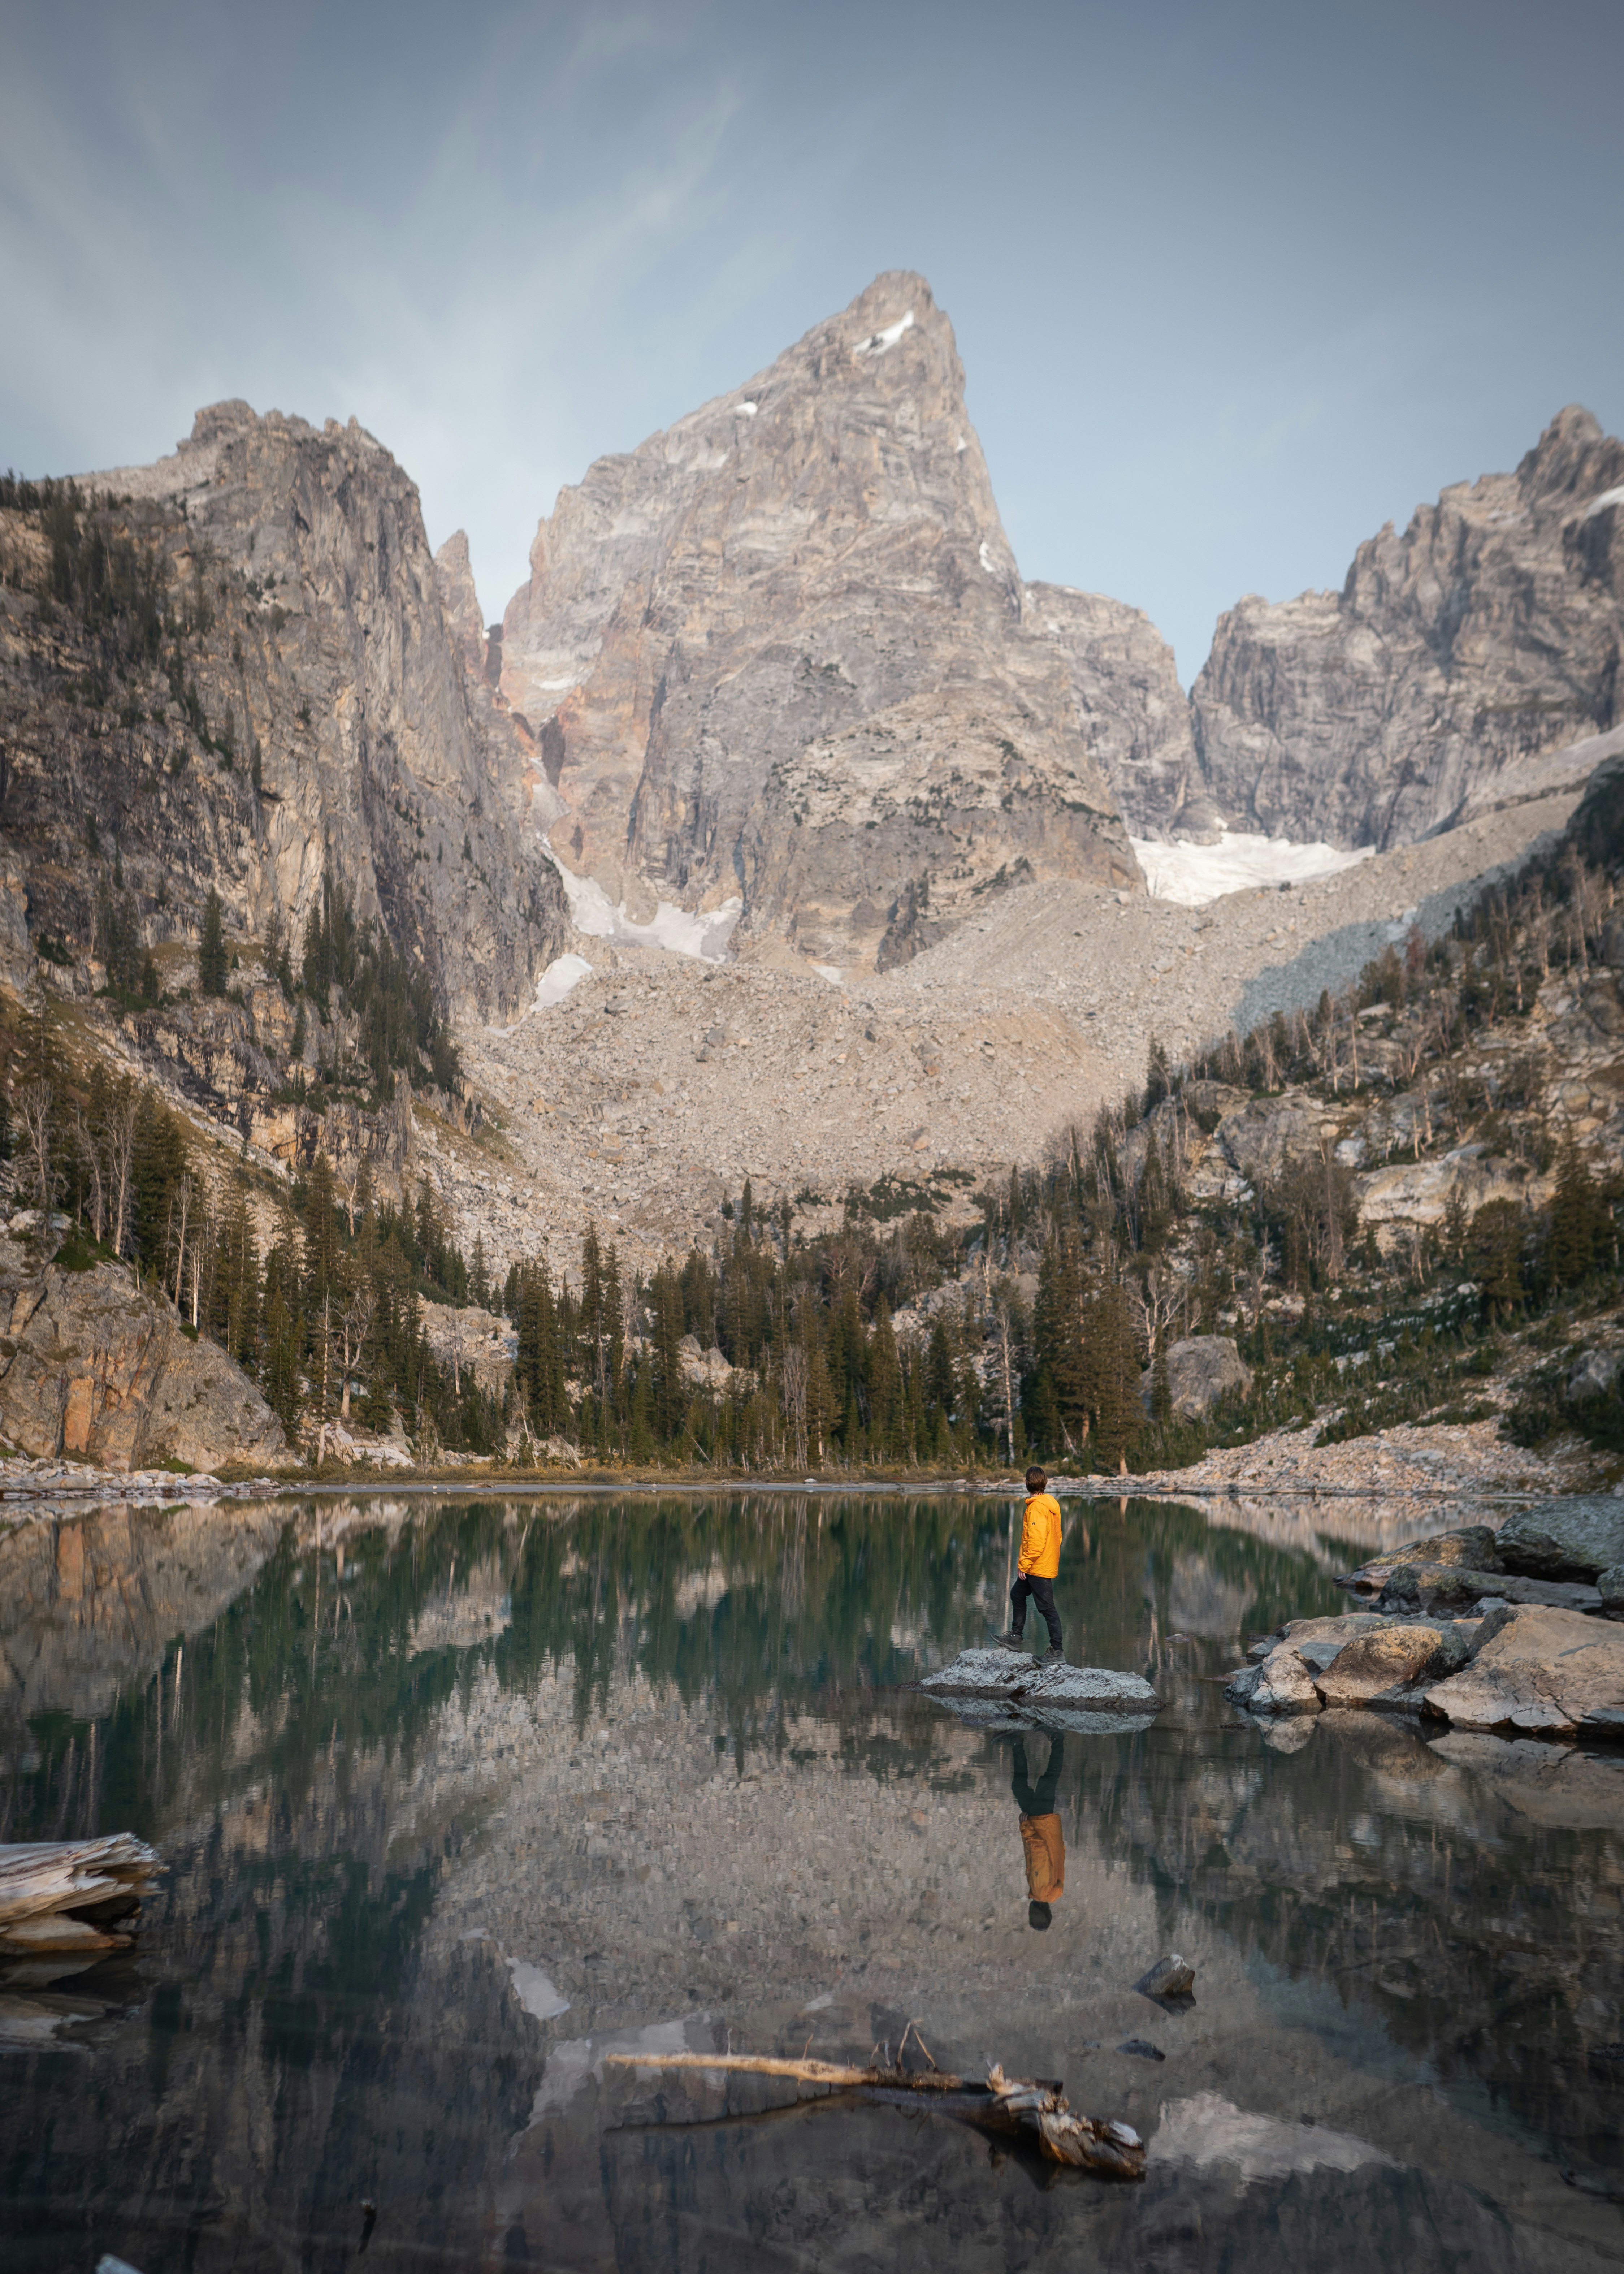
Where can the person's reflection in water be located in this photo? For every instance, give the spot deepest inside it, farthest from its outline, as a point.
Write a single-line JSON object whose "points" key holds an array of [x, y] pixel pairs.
{"points": [[1041, 1835]]}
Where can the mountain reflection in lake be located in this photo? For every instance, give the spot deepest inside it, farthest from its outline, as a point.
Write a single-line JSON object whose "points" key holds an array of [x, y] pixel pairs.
{"points": [[457, 1797]]}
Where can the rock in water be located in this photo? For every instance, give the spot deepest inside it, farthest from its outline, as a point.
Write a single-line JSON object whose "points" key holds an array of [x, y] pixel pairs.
{"points": [[1539, 1671], [1575, 1537], [1371, 1669], [1488, 631], [784, 649], [1004, 1689], [1282, 1684], [1168, 1977]]}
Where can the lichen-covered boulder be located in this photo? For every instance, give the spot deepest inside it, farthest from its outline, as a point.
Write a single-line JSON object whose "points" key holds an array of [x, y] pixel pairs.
{"points": [[1472, 1544], [1447, 1586], [1573, 1538]]}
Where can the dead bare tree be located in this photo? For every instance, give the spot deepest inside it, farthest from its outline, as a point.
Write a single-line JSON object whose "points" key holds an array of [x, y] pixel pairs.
{"points": [[35, 1102], [354, 1324]]}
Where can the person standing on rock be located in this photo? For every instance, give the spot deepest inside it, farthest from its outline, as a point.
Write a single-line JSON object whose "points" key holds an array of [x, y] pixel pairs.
{"points": [[1037, 1568], [1041, 1835]]}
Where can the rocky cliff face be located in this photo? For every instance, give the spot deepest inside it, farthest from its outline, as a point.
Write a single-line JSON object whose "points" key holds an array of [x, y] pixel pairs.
{"points": [[781, 654], [298, 627], [1489, 632], [92, 1367], [1131, 713]]}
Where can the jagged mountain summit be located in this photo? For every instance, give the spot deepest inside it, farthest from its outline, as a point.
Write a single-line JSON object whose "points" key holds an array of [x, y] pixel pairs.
{"points": [[1487, 635], [297, 701], [781, 655]]}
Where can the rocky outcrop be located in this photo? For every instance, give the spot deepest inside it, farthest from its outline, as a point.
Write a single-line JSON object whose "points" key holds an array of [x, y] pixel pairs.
{"points": [[1571, 1539], [318, 652], [92, 1367], [1552, 1671], [1488, 634], [1200, 1370], [1131, 713], [781, 654]]}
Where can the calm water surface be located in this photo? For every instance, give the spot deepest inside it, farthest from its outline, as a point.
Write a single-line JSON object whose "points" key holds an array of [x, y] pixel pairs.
{"points": [[455, 1798]]}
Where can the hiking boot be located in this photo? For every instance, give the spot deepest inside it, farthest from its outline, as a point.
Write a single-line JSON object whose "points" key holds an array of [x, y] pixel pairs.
{"points": [[1053, 1657], [1008, 1641]]}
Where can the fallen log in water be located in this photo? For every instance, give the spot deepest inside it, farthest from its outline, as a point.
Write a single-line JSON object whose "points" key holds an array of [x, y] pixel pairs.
{"points": [[69, 1895], [1001, 2103]]}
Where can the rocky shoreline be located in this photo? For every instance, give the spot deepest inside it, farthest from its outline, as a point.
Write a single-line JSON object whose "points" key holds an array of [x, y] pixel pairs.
{"points": [[1516, 1630]]}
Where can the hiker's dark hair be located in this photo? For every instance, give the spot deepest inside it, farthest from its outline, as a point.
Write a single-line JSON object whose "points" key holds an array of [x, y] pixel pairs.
{"points": [[1038, 1914], [1036, 1479]]}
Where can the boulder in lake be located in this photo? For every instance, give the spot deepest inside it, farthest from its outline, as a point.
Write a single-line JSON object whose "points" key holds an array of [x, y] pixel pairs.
{"points": [[1168, 1977], [1538, 1668], [1573, 1538], [1380, 1668], [1011, 1677], [1282, 1684], [1473, 1544], [1448, 1586]]}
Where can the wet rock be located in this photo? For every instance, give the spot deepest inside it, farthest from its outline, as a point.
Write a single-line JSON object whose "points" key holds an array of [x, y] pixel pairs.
{"points": [[1282, 1684], [1473, 1544], [1168, 1977], [1375, 1668], [1319, 1642], [1011, 1675], [1437, 1586], [1576, 1537], [1538, 1670]]}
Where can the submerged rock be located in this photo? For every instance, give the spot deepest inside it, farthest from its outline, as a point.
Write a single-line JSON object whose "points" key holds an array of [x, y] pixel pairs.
{"points": [[1539, 1669], [1168, 1977]]}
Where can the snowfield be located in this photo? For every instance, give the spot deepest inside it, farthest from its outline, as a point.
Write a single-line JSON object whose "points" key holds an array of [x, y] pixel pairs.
{"points": [[1192, 875]]}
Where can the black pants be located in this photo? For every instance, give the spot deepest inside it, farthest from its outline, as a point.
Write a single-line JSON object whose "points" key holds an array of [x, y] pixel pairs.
{"points": [[1043, 1593], [1040, 1800]]}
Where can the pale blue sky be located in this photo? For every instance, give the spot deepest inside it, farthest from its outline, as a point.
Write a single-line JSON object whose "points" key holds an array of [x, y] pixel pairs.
{"points": [[1232, 284]]}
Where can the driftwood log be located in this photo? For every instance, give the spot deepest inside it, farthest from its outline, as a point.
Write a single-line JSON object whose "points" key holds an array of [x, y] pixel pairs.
{"points": [[1000, 2103], [71, 1895]]}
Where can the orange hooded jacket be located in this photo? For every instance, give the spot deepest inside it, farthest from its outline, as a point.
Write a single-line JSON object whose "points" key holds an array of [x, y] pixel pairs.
{"points": [[1040, 1538]]}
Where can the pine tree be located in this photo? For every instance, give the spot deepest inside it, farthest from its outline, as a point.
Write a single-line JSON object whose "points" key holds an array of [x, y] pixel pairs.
{"points": [[1578, 1220], [212, 948]]}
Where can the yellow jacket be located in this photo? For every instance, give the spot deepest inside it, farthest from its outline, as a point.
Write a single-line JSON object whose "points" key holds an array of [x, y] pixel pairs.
{"points": [[1045, 1845], [1040, 1538]]}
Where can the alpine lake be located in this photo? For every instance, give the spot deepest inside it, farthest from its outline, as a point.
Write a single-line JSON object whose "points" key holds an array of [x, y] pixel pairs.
{"points": [[455, 1796]]}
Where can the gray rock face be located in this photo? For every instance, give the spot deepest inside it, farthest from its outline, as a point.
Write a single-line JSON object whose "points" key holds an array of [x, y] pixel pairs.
{"points": [[1473, 1544], [1131, 713], [1568, 1539], [90, 1368], [782, 653], [1592, 1374], [1489, 633], [1201, 1369], [319, 630], [1538, 1670]]}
